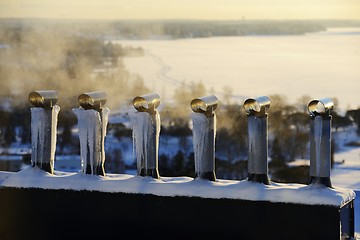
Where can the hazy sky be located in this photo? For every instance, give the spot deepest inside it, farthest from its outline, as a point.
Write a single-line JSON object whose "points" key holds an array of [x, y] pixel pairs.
{"points": [[184, 9]]}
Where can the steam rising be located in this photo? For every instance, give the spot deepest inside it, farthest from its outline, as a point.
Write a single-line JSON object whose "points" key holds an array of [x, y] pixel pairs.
{"points": [[35, 57]]}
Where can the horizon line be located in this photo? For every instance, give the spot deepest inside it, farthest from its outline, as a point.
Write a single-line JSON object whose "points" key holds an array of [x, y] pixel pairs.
{"points": [[177, 19]]}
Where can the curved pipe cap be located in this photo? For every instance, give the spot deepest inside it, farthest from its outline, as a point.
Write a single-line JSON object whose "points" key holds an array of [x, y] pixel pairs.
{"points": [[92, 100], [257, 106], [45, 98], [146, 103], [321, 107], [205, 105]]}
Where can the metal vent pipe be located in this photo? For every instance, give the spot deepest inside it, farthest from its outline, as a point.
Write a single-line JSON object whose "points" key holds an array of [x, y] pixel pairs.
{"points": [[44, 117], [320, 140], [204, 132], [146, 130], [256, 109], [92, 121]]}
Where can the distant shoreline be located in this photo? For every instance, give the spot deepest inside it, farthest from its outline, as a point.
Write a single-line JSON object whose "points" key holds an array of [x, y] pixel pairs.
{"points": [[318, 65]]}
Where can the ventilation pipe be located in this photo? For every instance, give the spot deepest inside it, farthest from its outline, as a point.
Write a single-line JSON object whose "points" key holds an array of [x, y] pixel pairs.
{"points": [[204, 132], [320, 140], [92, 122], [256, 109], [146, 131], [44, 116]]}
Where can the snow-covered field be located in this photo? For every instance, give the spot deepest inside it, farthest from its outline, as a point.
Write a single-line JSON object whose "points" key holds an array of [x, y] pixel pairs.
{"points": [[320, 65], [347, 174]]}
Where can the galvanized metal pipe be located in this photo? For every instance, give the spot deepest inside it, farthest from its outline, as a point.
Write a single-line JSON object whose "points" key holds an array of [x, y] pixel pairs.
{"points": [[204, 132], [257, 108], [147, 157], [93, 116], [92, 100], [43, 128], [320, 141]]}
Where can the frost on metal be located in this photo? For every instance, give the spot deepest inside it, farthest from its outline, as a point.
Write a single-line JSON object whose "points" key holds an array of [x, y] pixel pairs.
{"points": [[92, 131], [43, 136], [146, 131], [320, 141], [204, 131], [256, 109], [317, 139]]}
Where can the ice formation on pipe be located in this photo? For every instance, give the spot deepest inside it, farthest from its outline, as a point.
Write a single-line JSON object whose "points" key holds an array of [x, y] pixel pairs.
{"points": [[204, 131], [146, 131], [92, 131], [256, 109], [43, 136]]}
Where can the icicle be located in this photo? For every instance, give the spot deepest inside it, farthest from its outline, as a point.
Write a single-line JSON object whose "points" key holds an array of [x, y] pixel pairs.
{"points": [[204, 133], [92, 122], [142, 127], [146, 130], [43, 128]]}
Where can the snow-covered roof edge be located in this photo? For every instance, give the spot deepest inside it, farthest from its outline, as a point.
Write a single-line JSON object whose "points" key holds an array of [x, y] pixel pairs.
{"points": [[181, 186]]}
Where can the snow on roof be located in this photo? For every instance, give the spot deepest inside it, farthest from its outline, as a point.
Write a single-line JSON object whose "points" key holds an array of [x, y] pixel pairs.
{"points": [[4, 175], [299, 162], [181, 186]]}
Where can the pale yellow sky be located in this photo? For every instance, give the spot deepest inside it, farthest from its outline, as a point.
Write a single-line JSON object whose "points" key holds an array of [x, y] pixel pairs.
{"points": [[182, 9]]}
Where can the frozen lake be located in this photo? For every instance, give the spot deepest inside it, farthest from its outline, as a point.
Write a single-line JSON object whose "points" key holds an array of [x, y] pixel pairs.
{"points": [[325, 64]]}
